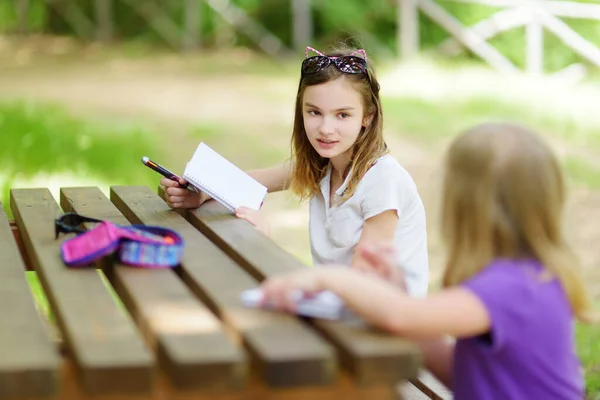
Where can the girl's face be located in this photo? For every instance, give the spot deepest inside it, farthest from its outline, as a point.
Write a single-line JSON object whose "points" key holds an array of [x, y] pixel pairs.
{"points": [[333, 116]]}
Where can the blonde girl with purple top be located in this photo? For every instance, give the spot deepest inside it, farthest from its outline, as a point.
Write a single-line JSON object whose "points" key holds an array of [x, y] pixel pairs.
{"points": [[512, 285]]}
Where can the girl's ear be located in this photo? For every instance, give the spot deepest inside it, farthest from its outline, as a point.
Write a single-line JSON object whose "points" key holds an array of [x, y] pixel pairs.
{"points": [[367, 120]]}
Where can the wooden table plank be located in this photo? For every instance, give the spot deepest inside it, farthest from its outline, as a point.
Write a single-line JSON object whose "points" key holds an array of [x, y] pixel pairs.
{"points": [[28, 359], [109, 352], [430, 385], [343, 389], [371, 356], [407, 391], [192, 346], [284, 349]]}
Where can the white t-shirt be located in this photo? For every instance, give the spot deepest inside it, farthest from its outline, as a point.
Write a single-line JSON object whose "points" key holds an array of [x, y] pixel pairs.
{"points": [[335, 231]]}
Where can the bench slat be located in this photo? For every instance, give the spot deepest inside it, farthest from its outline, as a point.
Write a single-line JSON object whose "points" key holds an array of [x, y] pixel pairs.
{"points": [[108, 350], [430, 385], [407, 391], [343, 389], [285, 351], [193, 348], [370, 356], [28, 359]]}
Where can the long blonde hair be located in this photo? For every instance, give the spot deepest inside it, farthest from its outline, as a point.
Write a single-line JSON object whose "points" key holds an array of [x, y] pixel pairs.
{"points": [[504, 196], [309, 167]]}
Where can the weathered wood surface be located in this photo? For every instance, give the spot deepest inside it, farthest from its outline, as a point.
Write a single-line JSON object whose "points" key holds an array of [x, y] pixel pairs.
{"points": [[106, 347], [177, 333], [284, 350], [370, 356], [192, 345], [29, 360]]}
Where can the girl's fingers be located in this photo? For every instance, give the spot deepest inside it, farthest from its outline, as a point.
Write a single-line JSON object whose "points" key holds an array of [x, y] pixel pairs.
{"points": [[273, 293], [249, 215], [168, 183], [176, 191], [372, 256], [380, 263], [176, 199], [282, 292], [244, 211], [245, 217]]}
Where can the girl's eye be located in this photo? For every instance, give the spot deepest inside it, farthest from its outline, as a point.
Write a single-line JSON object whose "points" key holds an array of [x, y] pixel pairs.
{"points": [[343, 115], [313, 112]]}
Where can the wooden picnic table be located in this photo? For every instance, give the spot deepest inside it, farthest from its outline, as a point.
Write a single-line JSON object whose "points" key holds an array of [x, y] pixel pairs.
{"points": [[173, 334]]}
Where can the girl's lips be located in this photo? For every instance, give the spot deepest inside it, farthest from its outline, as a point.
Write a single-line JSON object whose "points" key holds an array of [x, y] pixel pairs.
{"points": [[326, 144]]}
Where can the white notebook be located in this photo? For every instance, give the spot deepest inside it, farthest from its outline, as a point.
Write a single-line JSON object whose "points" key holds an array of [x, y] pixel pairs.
{"points": [[213, 174]]}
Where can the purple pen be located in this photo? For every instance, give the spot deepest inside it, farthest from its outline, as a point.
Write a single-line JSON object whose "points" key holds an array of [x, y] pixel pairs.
{"points": [[163, 171]]}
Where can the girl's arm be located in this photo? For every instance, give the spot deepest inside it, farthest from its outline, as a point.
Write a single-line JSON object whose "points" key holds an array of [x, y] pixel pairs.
{"points": [[455, 312], [377, 229], [275, 178]]}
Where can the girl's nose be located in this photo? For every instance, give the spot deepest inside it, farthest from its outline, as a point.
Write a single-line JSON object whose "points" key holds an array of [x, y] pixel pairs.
{"points": [[327, 126]]}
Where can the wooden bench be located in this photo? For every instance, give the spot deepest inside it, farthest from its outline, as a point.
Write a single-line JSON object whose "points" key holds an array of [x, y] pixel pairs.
{"points": [[172, 334]]}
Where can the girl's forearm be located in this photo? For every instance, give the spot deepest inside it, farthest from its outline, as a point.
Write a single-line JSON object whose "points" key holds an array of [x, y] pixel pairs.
{"points": [[275, 178], [457, 311], [391, 309], [376, 301]]}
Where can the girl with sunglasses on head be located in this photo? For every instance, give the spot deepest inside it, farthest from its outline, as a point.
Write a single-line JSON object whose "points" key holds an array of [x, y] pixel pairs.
{"points": [[358, 192], [512, 285]]}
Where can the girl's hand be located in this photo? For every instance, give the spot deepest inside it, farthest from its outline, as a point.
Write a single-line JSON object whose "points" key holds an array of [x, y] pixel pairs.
{"points": [[178, 197], [281, 292], [382, 261], [255, 218]]}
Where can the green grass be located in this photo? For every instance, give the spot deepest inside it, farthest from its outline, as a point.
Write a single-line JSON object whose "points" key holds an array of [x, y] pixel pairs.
{"points": [[41, 301], [44, 139], [588, 347], [38, 137], [430, 121], [583, 172]]}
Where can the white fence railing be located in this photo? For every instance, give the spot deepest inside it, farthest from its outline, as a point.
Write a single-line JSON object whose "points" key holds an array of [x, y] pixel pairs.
{"points": [[534, 15]]}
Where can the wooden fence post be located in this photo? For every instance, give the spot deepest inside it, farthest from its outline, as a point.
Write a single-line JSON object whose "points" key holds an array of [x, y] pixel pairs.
{"points": [[158, 20], [239, 19], [104, 20], [302, 24], [23, 15], [71, 12], [571, 38], [408, 28], [192, 35], [534, 32], [470, 39]]}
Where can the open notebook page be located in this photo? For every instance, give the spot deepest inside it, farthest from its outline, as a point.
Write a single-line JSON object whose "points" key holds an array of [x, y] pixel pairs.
{"points": [[225, 182]]}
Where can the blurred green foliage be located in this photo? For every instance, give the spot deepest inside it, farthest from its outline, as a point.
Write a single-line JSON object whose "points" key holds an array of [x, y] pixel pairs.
{"points": [[588, 348], [39, 138], [45, 138], [373, 24], [429, 120]]}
